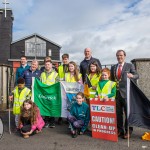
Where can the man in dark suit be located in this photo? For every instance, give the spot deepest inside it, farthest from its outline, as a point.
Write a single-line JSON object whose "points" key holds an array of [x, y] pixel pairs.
{"points": [[119, 73], [86, 62]]}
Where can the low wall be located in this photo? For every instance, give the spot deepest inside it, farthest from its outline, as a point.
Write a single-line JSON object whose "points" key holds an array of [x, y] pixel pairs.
{"points": [[143, 68]]}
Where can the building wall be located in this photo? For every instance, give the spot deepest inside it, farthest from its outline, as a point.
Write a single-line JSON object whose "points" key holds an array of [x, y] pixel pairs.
{"points": [[5, 35], [18, 49], [55, 51], [143, 68]]}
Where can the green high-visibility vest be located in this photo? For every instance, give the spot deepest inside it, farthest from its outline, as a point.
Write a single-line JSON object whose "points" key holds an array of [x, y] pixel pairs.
{"points": [[51, 79], [20, 98], [94, 81], [68, 77], [106, 89]]}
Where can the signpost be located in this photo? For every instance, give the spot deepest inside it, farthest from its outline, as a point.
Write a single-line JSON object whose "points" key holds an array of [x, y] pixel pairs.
{"points": [[103, 119]]}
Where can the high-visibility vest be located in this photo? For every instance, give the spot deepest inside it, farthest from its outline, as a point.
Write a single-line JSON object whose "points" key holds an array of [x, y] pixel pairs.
{"points": [[51, 79], [20, 98], [68, 77], [61, 72], [106, 89], [94, 81]]}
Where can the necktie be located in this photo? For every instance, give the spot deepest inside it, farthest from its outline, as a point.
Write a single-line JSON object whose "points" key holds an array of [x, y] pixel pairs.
{"points": [[119, 71]]}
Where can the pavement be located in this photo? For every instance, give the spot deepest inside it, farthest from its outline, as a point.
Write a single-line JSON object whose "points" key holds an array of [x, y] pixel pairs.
{"points": [[59, 138]]}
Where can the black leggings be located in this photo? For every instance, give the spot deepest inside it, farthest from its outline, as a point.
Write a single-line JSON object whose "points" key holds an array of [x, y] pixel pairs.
{"points": [[26, 128]]}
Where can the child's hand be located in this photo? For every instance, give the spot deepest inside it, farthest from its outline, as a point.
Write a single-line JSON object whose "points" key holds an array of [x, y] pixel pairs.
{"points": [[30, 132], [105, 98], [96, 97], [93, 87], [11, 98]]}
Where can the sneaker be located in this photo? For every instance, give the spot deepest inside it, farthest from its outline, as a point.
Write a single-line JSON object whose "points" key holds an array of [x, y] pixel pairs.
{"points": [[80, 133], [74, 135], [60, 121], [69, 127], [46, 125], [52, 125]]}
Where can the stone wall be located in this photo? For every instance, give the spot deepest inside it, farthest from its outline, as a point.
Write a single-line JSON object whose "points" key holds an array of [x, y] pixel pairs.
{"points": [[143, 69]]}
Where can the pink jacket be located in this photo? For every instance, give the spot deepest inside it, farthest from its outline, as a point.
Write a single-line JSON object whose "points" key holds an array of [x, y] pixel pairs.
{"points": [[39, 122]]}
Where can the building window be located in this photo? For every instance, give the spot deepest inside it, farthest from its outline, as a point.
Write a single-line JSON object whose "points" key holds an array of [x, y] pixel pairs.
{"points": [[49, 52], [35, 47]]}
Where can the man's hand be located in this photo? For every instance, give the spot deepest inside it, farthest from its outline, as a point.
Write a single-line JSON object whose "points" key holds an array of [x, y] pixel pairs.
{"points": [[129, 75]]}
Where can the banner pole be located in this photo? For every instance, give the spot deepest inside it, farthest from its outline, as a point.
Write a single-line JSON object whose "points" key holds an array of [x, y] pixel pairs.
{"points": [[128, 137], [128, 107], [32, 98]]}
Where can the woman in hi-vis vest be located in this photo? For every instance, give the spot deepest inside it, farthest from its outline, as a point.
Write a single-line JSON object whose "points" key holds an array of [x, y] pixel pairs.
{"points": [[94, 74], [73, 74]]}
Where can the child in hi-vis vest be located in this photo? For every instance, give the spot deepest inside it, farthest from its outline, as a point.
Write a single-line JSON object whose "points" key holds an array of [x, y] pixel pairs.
{"points": [[19, 95], [106, 89]]}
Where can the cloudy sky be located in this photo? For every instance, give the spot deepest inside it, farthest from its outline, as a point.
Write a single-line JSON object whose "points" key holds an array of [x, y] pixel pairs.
{"points": [[103, 25]]}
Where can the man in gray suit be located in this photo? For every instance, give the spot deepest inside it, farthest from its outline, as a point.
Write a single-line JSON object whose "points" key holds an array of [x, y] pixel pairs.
{"points": [[119, 73]]}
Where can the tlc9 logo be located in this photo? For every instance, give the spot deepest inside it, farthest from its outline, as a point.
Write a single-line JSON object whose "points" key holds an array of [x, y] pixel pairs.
{"points": [[103, 108]]}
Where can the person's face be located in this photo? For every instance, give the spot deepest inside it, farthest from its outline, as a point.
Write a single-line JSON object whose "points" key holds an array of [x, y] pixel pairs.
{"points": [[27, 106], [120, 57], [23, 60], [93, 68], [65, 60], [71, 67], [105, 76], [48, 66], [79, 99], [34, 66], [87, 53], [20, 86]]}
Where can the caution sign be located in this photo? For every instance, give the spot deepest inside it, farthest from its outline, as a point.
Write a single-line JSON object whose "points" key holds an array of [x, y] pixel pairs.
{"points": [[103, 119]]}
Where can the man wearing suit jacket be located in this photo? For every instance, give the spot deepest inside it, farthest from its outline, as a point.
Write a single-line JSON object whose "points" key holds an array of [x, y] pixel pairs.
{"points": [[119, 73]]}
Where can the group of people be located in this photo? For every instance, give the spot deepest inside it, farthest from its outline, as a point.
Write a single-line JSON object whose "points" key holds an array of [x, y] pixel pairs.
{"points": [[105, 84]]}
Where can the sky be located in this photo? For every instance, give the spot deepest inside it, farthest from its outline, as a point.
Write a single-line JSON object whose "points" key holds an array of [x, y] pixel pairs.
{"points": [[103, 25]]}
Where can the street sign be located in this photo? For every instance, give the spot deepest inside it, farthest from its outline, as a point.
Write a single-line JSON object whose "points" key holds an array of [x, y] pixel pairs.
{"points": [[103, 119]]}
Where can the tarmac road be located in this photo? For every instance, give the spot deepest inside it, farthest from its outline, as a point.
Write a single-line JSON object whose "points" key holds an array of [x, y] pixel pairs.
{"points": [[59, 138]]}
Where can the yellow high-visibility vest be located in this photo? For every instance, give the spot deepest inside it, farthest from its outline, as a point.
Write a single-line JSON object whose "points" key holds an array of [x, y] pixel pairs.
{"points": [[61, 72], [106, 89], [20, 98], [94, 81], [51, 79], [68, 77]]}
